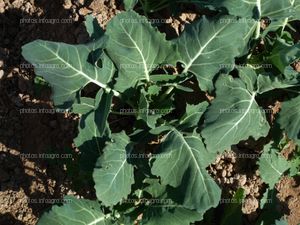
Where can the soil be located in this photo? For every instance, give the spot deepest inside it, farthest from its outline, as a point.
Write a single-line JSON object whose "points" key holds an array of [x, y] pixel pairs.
{"points": [[29, 184]]}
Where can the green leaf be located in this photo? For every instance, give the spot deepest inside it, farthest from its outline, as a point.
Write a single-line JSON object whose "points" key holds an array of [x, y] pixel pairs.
{"points": [[93, 27], [93, 127], [154, 187], [272, 165], [113, 171], [257, 9], [129, 4], [136, 48], [281, 222], [184, 163], [76, 212], [233, 116], [270, 82], [283, 54], [174, 216], [215, 45], [233, 212], [289, 118], [145, 113], [269, 205], [66, 69], [84, 106], [249, 77], [102, 111], [192, 116]]}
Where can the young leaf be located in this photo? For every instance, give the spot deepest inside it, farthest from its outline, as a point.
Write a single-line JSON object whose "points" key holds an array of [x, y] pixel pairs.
{"points": [[113, 171], [289, 118], [284, 54], [185, 162], [272, 165], [233, 116], [270, 82], [192, 116], [217, 43], [66, 68], [90, 213], [103, 107], [93, 27], [145, 113], [136, 47]]}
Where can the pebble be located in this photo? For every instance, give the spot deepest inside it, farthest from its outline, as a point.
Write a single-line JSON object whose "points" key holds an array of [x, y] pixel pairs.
{"points": [[67, 4], [224, 173], [1, 74], [242, 180], [2, 6]]}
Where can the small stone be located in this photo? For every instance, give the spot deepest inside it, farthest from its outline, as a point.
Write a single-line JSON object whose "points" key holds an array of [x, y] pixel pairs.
{"points": [[84, 11], [1, 74], [256, 189], [67, 4], [2, 6], [219, 167], [80, 2], [224, 173], [242, 180]]}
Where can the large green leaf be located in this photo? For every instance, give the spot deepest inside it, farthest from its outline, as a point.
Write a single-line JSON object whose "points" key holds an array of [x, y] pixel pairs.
{"points": [[207, 46], [272, 165], [233, 116], [113, 175], [76, 212], [289, 118], [184, 164], [66, 67], [136, 47]]}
